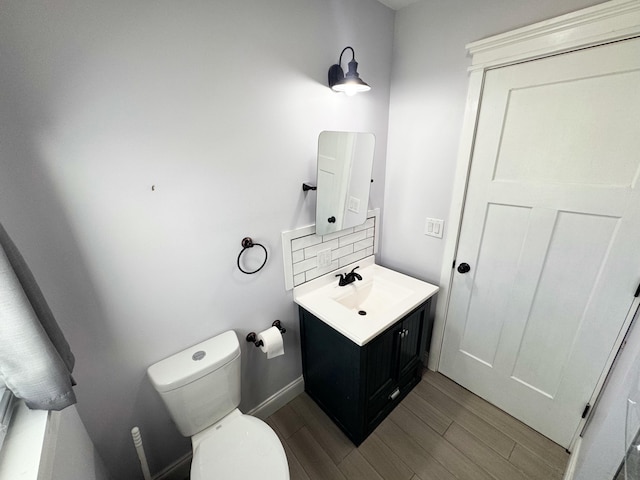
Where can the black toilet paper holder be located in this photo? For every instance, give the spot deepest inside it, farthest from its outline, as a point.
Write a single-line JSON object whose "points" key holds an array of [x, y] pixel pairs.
{"points": [[253, 338]]}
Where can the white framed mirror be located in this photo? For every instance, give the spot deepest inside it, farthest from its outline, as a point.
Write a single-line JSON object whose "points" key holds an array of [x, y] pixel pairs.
{"points": [[345, 163]]}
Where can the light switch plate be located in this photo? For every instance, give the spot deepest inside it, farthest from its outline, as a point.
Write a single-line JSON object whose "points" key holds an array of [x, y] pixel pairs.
{"points": [[354, 204], [434, 227], [324, 258]]}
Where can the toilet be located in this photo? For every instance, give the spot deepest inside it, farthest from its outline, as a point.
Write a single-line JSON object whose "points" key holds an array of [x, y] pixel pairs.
{"points": [[201, 388]]}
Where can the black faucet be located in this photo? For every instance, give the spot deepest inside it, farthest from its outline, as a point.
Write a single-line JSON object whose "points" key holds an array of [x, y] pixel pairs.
{"points": [[348, 278]]}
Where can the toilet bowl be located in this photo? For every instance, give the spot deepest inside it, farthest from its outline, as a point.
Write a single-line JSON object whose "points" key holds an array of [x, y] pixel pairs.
{"points": [[239, 446], [200, 387]]}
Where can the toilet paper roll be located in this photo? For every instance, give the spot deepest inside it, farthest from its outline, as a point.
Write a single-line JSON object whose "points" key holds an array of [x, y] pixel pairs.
{"points": [[272, 343]]}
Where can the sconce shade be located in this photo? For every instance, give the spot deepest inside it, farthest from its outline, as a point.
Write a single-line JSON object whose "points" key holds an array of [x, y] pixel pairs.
{"points": [[351, 83]]}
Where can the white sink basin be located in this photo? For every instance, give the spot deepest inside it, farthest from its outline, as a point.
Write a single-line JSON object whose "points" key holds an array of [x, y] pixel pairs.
{"points": [[363, 309], [371, 295]]}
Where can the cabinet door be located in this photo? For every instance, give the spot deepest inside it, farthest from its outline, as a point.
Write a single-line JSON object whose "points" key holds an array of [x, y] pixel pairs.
{"points": [[381, 353], [331, 371], [381, 368], [410, 346]]}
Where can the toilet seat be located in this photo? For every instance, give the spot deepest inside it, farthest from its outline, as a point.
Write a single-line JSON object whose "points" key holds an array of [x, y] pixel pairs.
{"points": [[238, 447]]}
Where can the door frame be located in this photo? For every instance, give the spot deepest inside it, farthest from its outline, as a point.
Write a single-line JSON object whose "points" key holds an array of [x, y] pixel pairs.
{"points": [[611, 21]]}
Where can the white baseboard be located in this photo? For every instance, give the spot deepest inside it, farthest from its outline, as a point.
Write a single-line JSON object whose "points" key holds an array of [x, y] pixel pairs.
{"points": [[180, 469], [573, 461], [278, 400]]}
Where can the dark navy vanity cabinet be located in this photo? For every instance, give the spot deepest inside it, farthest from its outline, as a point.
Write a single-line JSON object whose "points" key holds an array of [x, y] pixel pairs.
{"points": [[357, 386]]}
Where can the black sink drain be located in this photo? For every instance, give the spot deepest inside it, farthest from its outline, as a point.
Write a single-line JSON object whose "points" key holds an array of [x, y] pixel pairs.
{"points": [[361, 312]]}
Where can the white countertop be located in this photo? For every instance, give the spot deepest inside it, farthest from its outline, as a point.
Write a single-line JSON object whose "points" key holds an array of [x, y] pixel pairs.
{"points": [[396, 295]]}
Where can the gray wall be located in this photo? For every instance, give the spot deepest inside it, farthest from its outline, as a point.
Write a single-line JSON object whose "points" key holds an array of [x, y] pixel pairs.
{"points": [[218, 105], [428, 97], [603, 444], [68, 451]]}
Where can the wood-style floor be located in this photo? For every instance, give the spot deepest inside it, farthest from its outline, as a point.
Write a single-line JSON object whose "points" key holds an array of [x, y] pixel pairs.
{"points": [[439, 431]]}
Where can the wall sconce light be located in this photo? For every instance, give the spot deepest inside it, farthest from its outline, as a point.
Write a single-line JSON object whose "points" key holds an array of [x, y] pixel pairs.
{"points": [[351, 83]]}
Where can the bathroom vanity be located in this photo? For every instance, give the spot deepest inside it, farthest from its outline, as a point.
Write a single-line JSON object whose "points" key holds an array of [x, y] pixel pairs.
{"points": [[363, 343]]}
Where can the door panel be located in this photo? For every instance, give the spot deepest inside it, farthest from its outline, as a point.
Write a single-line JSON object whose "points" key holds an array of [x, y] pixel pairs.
{"points": [[550, 228], [486, 311], [554, 322], [535, 139]]}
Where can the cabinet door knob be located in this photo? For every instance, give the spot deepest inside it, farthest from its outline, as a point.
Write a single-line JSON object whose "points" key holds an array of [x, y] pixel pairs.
{"points": [[394, 394]]}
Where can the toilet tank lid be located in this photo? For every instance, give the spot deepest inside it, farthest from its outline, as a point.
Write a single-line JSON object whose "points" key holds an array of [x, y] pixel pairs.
{"points": [[194, 362]]}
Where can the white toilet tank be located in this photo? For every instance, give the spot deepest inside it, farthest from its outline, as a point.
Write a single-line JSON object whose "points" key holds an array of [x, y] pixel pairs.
{"points": [[201, 384]]}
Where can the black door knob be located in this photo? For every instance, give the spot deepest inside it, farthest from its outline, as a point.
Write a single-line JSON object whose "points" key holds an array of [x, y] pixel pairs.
{"points": [[331, 219], [464, 268]]}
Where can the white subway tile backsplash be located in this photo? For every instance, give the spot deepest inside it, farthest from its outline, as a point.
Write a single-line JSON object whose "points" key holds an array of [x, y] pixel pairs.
{"points": [[300, 249], [316, 272], [306, 241], [354, 257], [305, 265], [313, 250], [341, 252], [353, 238], [297, 256], [299, 279], [362, 244], [330, 236], [311, 274]]}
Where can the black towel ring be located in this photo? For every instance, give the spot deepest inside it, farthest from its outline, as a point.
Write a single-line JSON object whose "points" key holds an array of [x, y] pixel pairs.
{"points": [[248, 243]]}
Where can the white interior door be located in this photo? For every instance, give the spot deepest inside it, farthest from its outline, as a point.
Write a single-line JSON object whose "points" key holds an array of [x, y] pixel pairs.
{"points": [[334, 169], [330, 173], [551, 232]]}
